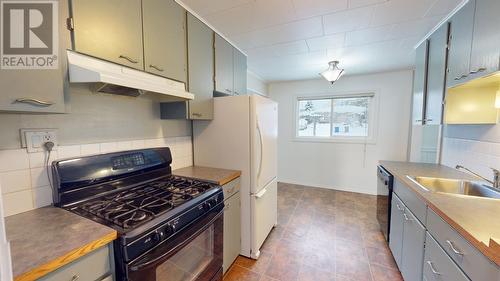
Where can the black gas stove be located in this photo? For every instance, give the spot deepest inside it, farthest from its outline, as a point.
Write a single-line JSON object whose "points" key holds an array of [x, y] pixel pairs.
{"points": [[158, 215]]}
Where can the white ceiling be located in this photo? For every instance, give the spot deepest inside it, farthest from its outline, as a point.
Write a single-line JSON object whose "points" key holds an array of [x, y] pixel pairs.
{"points": [[295, 39]]}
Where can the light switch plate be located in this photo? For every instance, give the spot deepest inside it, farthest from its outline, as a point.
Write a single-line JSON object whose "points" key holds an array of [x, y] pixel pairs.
{"points": [[34, 139]]}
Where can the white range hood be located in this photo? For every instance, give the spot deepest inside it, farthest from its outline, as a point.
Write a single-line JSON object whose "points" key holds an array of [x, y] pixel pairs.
{"points": [[116, 79]]}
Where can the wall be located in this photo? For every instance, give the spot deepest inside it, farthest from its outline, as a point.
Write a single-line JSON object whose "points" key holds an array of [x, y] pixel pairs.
{"points": [[255, 84], [96, 123], [476, 147], [344, 166]]}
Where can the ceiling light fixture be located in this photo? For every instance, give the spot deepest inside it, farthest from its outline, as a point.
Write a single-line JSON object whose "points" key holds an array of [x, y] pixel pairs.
{"points": [[333, 73]]}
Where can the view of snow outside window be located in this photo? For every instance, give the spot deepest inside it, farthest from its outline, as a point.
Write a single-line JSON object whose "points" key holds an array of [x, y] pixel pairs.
{"points": [[332, 117]]}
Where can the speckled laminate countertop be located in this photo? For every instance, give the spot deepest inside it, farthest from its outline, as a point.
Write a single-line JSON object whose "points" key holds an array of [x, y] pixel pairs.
{"points": [[215, 175], [45, 239], [475, 218]]}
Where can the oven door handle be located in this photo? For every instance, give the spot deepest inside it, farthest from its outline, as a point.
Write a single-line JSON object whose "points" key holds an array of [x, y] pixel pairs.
{"points": [[148, 262]]}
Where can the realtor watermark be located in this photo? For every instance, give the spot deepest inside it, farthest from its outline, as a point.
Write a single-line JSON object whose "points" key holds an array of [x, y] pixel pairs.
{"points": [[29, 34]]}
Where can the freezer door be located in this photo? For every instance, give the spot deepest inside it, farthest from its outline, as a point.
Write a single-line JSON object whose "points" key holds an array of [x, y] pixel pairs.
{"points": [[264, 207], [264, 121]]}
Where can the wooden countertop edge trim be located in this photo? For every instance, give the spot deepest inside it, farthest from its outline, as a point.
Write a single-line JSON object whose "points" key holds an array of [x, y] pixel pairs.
{"points": [[483, 248], [229, 179], [59, 262]]}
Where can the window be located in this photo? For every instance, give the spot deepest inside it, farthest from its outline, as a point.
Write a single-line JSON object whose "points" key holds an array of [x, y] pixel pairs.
{"points": [[335, 118]]}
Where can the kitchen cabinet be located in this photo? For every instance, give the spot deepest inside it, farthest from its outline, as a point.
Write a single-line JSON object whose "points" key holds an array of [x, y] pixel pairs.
{"points": [[116, 37], [461, 28], [232, 223], [438, 266], [95, 265], [485, 54], [420, 83], [224, 66], [396, 233], [413, 247], [240, 72], [201, 68], [164, 31], [436, 84]]}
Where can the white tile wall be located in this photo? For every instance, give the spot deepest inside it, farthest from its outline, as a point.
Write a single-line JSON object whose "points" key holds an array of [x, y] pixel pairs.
{"points": [[478, 156], [23, 176]]}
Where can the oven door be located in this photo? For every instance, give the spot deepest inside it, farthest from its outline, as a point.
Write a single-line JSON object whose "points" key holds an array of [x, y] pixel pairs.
{"points": [[193, 254]]}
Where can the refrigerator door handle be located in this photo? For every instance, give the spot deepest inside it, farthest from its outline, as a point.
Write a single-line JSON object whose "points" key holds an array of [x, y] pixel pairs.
{"points": [[261, 193], [261, 142]]}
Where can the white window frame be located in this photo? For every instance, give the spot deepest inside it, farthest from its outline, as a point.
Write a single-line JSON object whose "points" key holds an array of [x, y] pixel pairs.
{"points": [[373, 109]]}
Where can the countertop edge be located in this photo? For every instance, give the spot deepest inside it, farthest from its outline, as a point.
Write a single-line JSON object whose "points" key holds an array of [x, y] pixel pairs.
{"points": [[492, 255], [206, 173], [71, 256]]}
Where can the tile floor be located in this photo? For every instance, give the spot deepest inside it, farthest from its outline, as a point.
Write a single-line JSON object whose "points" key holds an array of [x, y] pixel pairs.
{"points": [[321, 235]]}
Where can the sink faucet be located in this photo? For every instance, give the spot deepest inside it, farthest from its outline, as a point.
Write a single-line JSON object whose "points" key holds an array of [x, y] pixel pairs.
{"points": [[496, 176]]}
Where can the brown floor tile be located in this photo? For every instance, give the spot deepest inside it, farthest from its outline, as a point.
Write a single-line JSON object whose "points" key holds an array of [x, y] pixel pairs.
{"points": [[238, 273], [308, 273], [379, 256], [385, 274], [345, 250], [374, 238], [258, 266], [283, 267], [353, 268]]}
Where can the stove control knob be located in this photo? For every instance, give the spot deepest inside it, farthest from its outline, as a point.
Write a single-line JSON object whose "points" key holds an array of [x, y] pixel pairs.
{"points": [[156, 237]]}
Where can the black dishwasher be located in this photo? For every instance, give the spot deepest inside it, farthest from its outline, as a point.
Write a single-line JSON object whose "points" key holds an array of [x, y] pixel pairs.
{"points": [[384, 198]]}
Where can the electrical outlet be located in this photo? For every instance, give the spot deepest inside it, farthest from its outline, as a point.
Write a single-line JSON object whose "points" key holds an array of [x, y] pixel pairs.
{"points": [[34, 139]]}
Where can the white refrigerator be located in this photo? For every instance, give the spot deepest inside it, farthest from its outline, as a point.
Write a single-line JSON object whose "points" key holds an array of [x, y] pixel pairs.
{"points": [[243, 136]]}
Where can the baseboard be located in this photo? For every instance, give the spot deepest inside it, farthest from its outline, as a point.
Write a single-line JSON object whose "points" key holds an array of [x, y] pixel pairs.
{"points": [[316, 185]]}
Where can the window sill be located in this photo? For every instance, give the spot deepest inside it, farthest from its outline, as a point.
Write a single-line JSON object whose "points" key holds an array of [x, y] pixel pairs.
{"points": [[352, 140]]}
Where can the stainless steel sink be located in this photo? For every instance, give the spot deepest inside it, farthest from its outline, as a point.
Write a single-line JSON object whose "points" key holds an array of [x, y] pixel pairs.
{"points": [[455, 186]]}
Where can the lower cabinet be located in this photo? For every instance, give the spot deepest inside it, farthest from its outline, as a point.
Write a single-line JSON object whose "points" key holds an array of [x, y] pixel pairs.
{"points": [[438, 266], [94, 266], [407, 240], [232, 224]]}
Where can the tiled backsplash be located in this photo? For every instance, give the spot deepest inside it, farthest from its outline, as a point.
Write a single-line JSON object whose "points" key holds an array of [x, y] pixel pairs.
{"points": [[23, 175], [478, 156]]}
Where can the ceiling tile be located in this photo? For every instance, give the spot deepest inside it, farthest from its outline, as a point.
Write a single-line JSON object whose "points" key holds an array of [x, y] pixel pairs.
{"points": [[442, 7], [348, 20], [361, 3], [292, 48], [308, 8], [400, 10], [203, 7], [326, 42], [293, 31], [368, 35], [252, 16], [413, 28]]}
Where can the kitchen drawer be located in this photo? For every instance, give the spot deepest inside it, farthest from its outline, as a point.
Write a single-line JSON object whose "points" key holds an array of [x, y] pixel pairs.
{"points": [[411, 200], [231, 188], [93, 266], [438, 266], [467, 257]]}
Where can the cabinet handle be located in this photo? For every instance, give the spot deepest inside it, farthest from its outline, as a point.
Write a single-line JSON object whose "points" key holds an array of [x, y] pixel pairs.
{"points": [[452, 247], [34, 102], [156, 67], [229, 91], [406, 217], [196, 114], [399, 207], [433, 270], [128, 58], [481, 69], [461, 77], [75, 277], [227, 206], [418, 120]]}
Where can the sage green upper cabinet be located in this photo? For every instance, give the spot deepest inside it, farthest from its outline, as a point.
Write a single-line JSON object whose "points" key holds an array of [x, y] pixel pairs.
{"points": [[485, 56], [110, 30], [240, 72], [436, 84], [462, 25], [201, 68], [420, 83], [165, 51], [223, 66]]}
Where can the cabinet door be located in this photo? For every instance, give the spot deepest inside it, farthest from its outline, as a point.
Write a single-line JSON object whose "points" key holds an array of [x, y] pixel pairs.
{"points": [[201, 68], [413, 247], [420, 83], [223, 66], [232, 230], [240, 72], [396, 234], [164, 24], [486, 38], [462, 25], [110, 30], [436, 74]]}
